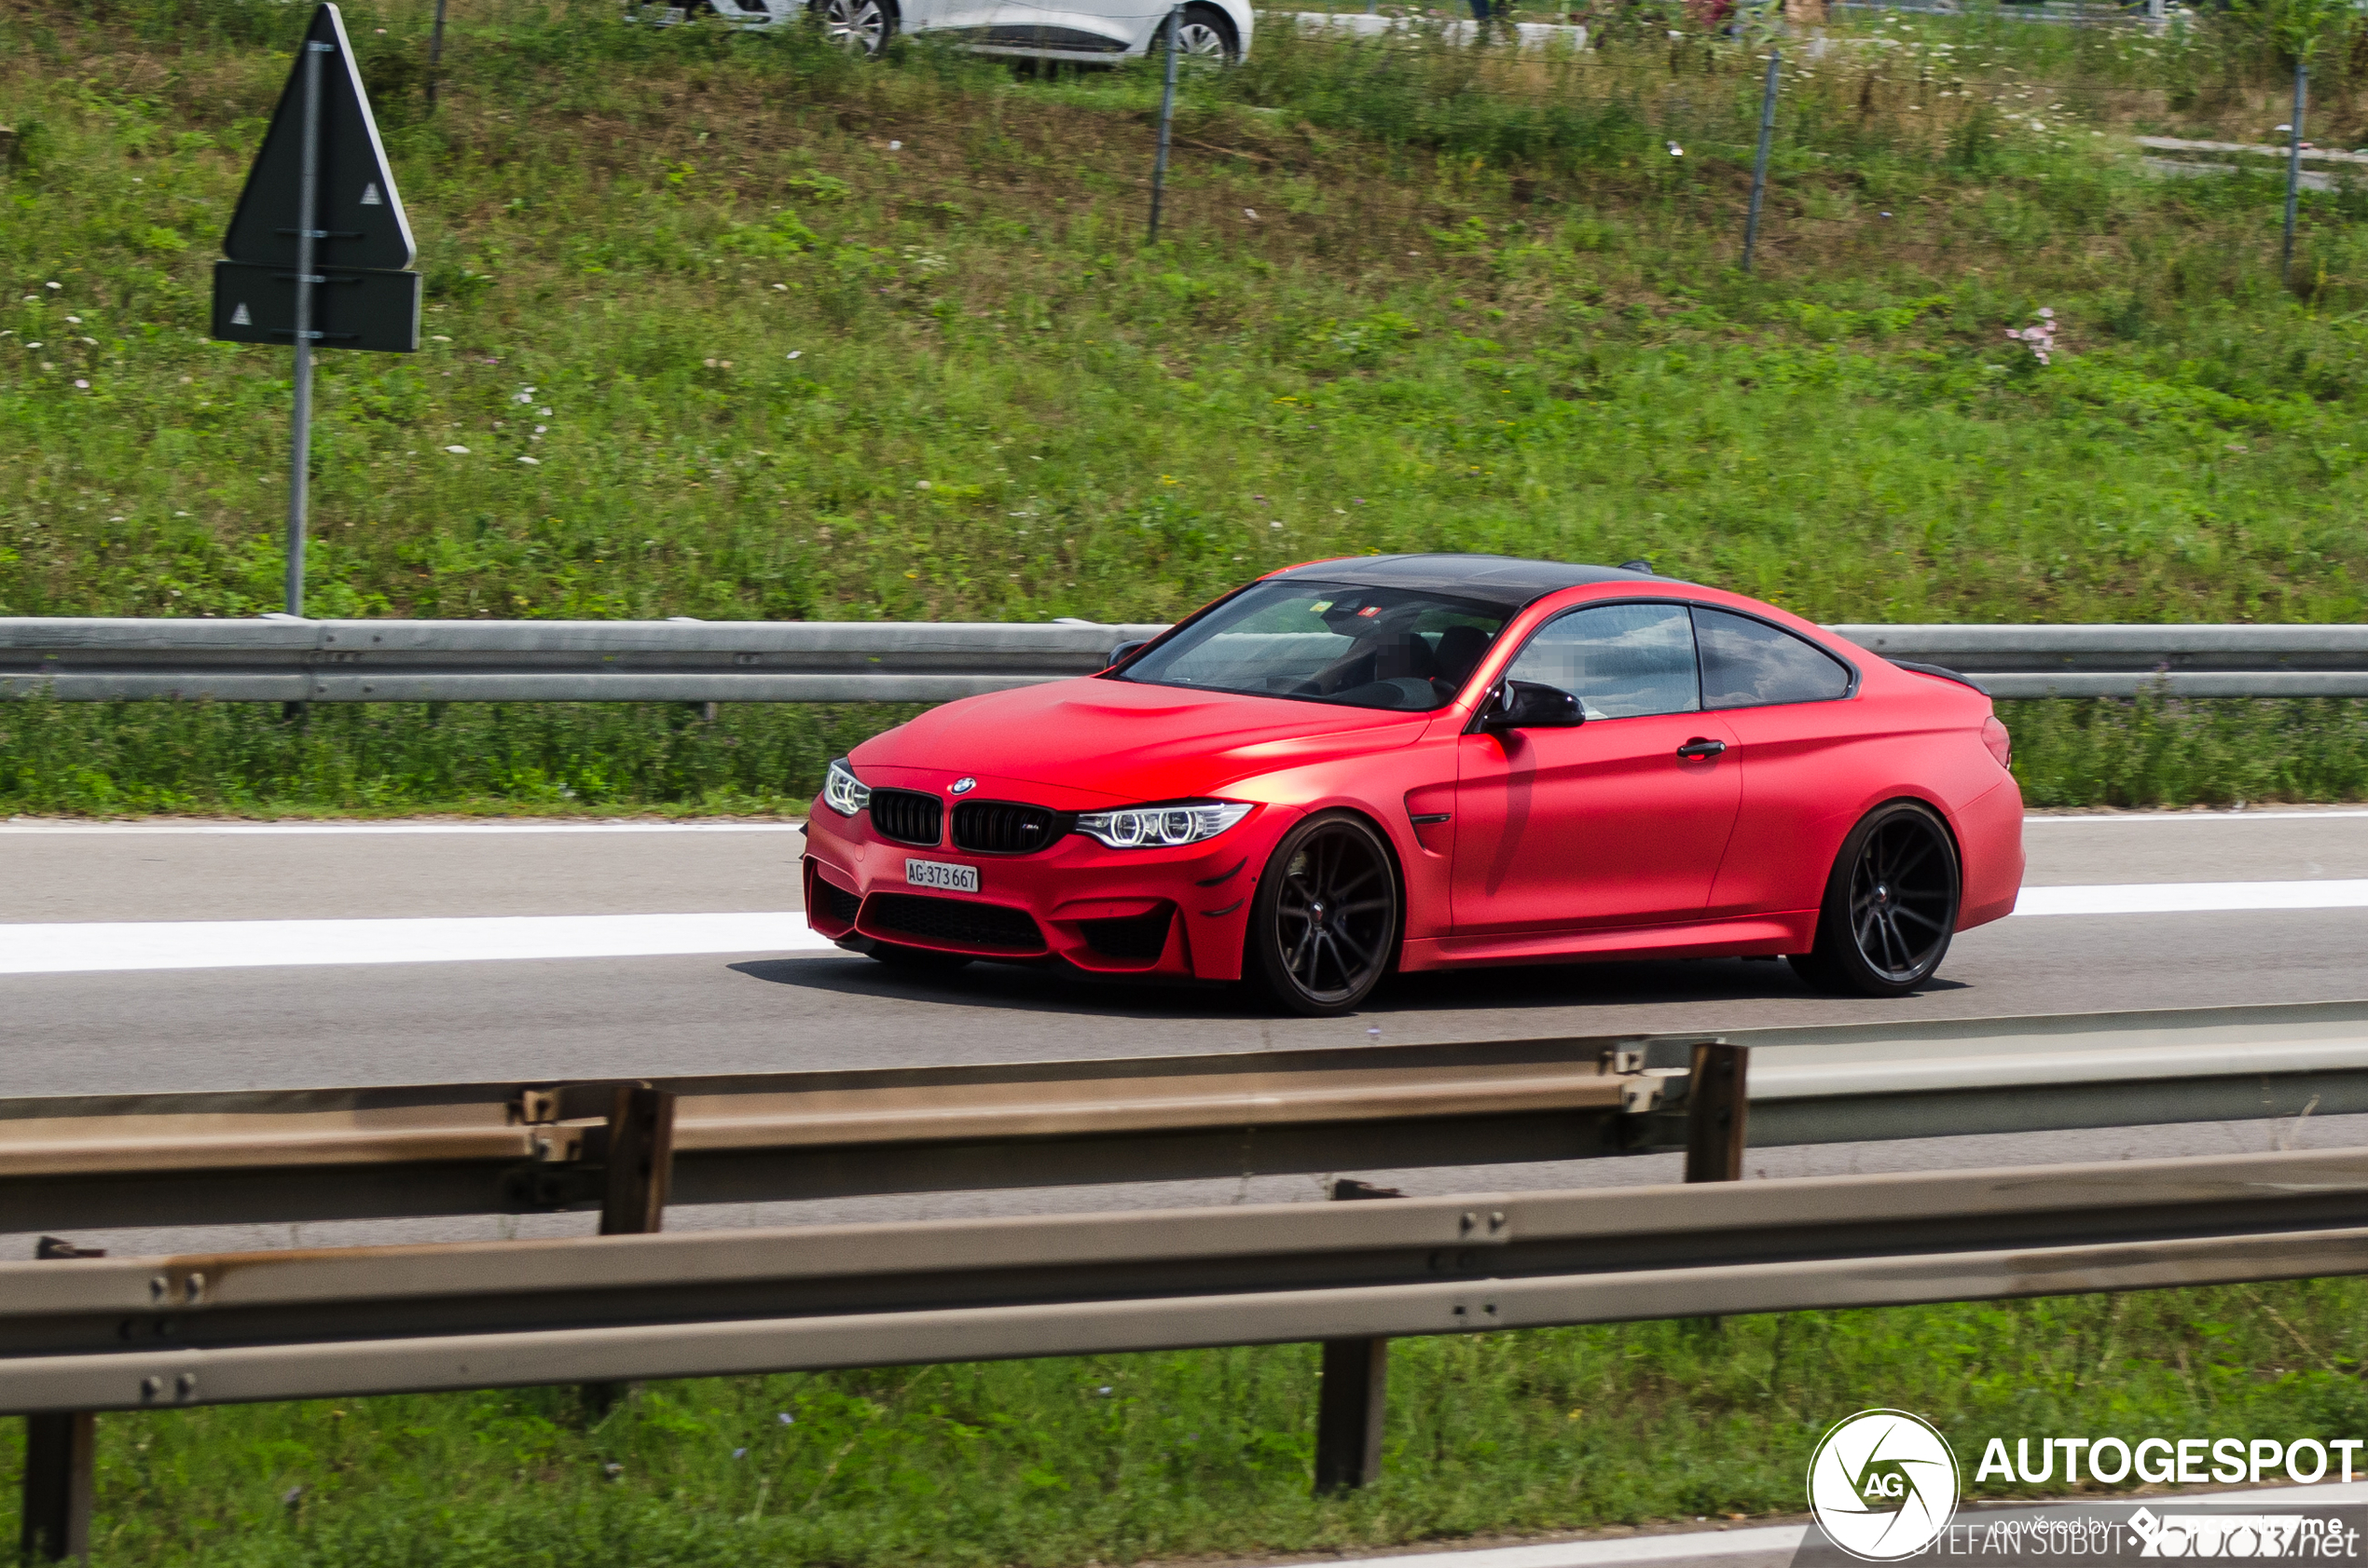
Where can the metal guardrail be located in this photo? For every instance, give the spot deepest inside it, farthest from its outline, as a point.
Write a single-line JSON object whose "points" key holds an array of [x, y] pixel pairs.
{"points": [[285, 1156], [292, 1155], [81, 1332], [85, 1334], [2117, 661], [279, 659]]}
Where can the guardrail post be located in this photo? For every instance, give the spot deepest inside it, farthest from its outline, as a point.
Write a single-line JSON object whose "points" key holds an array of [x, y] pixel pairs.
{"points": [[641, 1161], [1716, 1114], [641, 1169], [1353, 1405], [59, 1459]]}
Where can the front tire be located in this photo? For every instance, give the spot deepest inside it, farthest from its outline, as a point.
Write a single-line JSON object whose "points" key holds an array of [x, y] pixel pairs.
{"points": [[861, 27], [1323, 924], [1890, 906]]}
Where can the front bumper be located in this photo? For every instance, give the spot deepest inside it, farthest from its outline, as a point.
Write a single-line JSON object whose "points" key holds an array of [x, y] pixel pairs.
{"points": [[1150, 912]]}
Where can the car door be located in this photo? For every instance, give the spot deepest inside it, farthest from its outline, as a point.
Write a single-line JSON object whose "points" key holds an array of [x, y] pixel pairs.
{"points": [[1620, 820], [1803, 743], [1080, 26]]}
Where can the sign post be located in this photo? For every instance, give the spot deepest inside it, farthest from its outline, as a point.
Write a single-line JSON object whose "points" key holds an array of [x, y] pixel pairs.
{"points": [[318, 252]]}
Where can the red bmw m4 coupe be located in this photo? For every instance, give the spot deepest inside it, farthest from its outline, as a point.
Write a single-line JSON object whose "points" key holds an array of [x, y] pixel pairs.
{"points": [[1430, 762]]}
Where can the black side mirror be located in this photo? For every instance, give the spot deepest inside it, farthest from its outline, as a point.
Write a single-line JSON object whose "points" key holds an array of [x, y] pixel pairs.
{"points": [[1120, 654], [1529, 705]]}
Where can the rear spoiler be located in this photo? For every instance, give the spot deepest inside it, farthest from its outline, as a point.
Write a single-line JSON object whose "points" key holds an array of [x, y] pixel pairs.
{"points": [[1944, 674]]}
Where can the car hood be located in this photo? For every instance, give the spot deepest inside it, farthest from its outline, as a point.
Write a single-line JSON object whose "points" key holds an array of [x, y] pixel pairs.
{"points": [[1085, 743]]}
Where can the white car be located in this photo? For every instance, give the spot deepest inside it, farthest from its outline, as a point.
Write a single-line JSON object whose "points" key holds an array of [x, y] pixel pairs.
{"points": [[1082, 32]]}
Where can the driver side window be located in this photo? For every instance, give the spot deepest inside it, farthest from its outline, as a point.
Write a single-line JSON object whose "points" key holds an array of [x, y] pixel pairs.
{"points": [[1622, 661]]}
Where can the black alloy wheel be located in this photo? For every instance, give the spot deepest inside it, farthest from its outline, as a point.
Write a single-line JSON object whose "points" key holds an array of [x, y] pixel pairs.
{"points": [[858, 26], [1890, 908], [1324, 926]]}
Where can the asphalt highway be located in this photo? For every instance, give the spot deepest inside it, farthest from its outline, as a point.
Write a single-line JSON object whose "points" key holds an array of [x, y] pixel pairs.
{"points": [[253, 1019]]}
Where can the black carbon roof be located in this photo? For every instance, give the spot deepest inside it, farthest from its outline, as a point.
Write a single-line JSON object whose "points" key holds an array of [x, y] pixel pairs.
{"points": [[1504, 580]]}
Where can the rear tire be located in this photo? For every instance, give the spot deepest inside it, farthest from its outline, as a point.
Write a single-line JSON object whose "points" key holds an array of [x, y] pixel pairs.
{"points": [[1206, 35], [1890, 906], [1323, 924]]}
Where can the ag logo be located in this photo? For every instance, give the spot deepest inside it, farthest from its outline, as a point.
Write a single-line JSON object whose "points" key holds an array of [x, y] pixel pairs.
{"points": [[1882, 1484], [961, 786]]}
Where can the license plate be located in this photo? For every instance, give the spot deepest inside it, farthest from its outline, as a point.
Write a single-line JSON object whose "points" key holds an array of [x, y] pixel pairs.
{"points": [[939, 874]]}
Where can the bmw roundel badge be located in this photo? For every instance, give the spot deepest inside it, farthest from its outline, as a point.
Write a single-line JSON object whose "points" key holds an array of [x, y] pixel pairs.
{"points": [[962, 786]]}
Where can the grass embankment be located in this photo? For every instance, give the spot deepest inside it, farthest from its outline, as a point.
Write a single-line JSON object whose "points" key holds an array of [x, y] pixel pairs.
{"points": [[558, 759], [791, 369], [1124, 1458]]}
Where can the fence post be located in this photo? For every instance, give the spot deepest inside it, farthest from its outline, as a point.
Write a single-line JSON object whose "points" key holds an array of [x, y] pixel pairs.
{"points": [[1716, 1113], [435, 53], [640, 1170], [1167, 116], [1353, 1405], [1759, 162], [2293, 172], [59, 1459]]}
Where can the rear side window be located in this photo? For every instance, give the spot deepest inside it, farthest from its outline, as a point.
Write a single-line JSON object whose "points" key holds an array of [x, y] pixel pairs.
{"points": [[1751, 664], [1622, 661]]}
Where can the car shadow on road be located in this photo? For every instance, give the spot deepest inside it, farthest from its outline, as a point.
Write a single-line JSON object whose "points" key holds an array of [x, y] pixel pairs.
{"points": [[1068, 992]]}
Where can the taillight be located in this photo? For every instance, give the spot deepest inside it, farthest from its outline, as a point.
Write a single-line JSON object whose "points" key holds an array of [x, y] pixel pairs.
{"points": [[2000, 744]]}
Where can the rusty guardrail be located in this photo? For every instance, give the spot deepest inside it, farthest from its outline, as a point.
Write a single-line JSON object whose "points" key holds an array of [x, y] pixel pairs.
{"points": [[81, 1332], [100, 1333], [99, 1161], [79, 1163]]}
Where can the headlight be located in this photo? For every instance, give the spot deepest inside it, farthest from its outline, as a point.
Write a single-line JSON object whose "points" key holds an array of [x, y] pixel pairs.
{"points": [[1161, 827], [842, 791]]}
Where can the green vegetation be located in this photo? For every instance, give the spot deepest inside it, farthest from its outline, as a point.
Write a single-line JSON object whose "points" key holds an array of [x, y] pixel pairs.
{"points": [[1480, 307], [732, 325], [555, 758], [2159, 753], [558, 759], [1119, 1459]]}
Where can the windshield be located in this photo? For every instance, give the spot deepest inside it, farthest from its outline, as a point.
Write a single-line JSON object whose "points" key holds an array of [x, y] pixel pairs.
{"points": [[1329, 642]]}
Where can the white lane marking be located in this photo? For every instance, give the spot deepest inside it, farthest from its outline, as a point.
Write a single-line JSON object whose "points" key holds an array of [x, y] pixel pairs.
{"points": [[50, 825], [219, 944], [2192, 898], [2034, 819], [99, 945]]}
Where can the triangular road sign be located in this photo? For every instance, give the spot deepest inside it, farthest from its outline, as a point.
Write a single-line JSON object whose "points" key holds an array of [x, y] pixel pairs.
{"points": [[359, 214]]}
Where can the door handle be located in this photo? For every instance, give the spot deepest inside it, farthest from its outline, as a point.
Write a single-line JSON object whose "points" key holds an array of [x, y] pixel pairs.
{"points": [[1698, 747]]}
